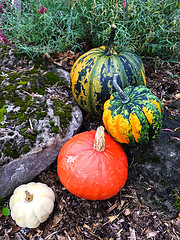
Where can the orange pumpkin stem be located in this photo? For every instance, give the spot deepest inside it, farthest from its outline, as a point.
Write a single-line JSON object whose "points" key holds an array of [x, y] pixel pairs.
{"points": [[29, 197], [99, 142]]}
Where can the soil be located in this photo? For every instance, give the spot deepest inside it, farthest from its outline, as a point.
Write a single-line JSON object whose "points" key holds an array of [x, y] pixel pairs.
{"points": [[122, 217]]}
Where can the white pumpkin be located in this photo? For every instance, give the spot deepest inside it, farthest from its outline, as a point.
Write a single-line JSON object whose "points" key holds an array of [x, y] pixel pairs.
{"points": [[31, 204]]}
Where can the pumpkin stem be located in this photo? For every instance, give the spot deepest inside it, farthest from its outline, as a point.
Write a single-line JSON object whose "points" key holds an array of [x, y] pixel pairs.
{"points": [[110, 48], [29, 197], [122, 95], [99, 142]]}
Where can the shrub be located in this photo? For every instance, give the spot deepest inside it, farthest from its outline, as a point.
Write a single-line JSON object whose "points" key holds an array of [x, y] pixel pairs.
{"points": [[149, 27]]}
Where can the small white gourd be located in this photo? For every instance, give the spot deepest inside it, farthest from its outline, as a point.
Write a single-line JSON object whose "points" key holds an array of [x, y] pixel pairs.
{"points": [[31, 204]]}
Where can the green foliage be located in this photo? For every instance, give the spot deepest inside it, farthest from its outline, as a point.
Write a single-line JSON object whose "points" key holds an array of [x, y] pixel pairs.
{"points": [[177, 203], [2, 112], [149, 27], [4, 209]]}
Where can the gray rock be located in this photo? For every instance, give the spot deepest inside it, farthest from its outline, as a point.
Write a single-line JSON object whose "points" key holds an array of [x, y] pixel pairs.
{"points": [[156, 174], [37, 116]]}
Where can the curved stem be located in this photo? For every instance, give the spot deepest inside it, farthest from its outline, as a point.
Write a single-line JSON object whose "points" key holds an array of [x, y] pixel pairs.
{"points": [[29, 197], [110, 48], [122, 95], [99, 142]]}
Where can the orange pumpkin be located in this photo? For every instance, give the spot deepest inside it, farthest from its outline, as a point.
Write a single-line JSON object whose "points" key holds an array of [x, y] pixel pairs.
{"points": [[92, 165]]}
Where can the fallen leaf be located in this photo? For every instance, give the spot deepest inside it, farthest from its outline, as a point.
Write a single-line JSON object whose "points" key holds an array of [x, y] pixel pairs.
{"points": [[57, 218], [132, 234], [127, 212], [112, 218], [86, 226], [112, 207], [151, 233]]}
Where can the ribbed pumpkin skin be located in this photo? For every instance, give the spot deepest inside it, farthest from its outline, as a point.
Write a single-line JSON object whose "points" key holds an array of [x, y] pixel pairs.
{"points": [[138, 121], [92, 74]]}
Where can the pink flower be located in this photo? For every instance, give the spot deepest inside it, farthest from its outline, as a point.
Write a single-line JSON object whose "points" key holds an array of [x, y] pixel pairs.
{"points": [[42, 9], [70, 4], [3, 38], [124, 5], [1, 8]]}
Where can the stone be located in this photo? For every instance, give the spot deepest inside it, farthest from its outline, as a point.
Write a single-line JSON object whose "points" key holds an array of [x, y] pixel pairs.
{"points": [[37, 116], [156, 172]]}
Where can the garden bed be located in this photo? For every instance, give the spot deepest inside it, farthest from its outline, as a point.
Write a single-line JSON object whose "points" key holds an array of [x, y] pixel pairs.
{"points": [[124, 216]]}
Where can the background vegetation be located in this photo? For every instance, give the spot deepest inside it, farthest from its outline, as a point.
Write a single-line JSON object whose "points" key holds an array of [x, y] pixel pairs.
{"points": [[149, 27]]}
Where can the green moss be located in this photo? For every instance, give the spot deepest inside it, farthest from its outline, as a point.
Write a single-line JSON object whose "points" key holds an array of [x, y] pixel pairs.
{"points": [[13, 76], [23, 82], [10, 88], [51, 78], [25, 149], [30, 136], [34, 70], [51, 123], [23, 130], [9, 151], [55, 129], [11, 133], [19, 117], [177, 203], [29, 82], [41, 115], [2, 113], [64, 112]]}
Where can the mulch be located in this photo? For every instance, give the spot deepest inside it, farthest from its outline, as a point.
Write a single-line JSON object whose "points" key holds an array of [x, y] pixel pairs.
{"points": [[122, 217]]}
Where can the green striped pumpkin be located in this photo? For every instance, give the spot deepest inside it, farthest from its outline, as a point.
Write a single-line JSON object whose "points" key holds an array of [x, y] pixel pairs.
{"points": [[133, 116], [92, 74]]}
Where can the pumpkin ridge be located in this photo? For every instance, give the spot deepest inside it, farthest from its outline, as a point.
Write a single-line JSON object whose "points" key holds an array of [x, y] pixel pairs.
{"points": [[127, 65], [157, 104], [95, 88], [122, 133], [119, 67], [117, 106], [134, 66], [79, 61], [152, 119], [141, 104]]}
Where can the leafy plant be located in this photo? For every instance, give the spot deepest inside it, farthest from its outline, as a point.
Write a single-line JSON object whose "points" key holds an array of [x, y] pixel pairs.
{"points": [[5, 210], [149, 27]]}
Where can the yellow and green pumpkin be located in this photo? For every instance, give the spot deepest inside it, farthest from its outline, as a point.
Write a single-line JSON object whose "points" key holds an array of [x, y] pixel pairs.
{"points": [[133, 115], [92, 75]]}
